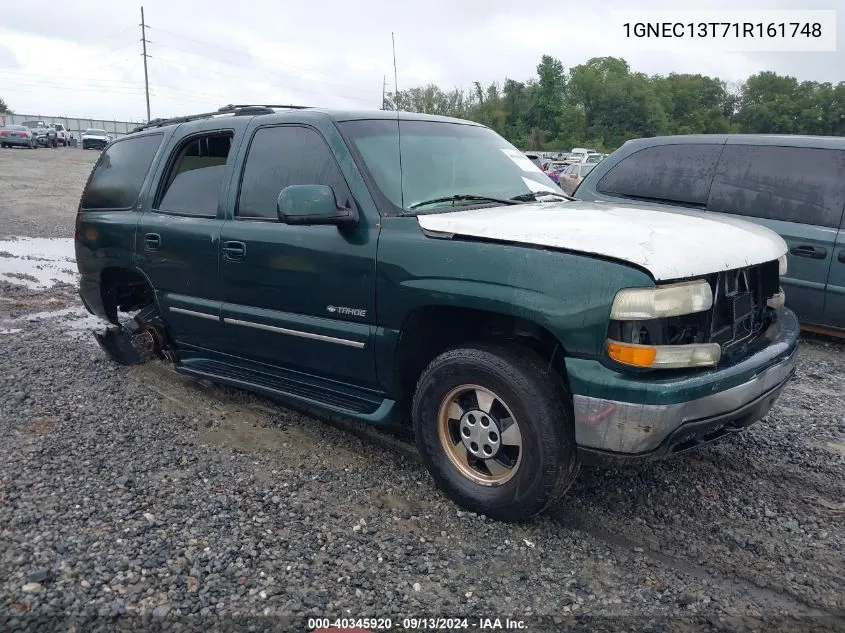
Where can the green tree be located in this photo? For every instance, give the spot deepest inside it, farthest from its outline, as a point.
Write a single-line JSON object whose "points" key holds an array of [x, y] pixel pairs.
{"points": [[602, 103], [769, 104], [694, 103], [550, 93], [4, 109]]}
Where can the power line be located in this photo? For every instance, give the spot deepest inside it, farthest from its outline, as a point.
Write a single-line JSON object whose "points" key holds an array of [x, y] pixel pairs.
{"points": [[291, 88], [247, 54], [264, 71], [102, 83]]}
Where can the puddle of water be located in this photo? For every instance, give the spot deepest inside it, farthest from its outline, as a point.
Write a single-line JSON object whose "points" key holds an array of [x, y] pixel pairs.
{"points": [[38, 262], [74, 322]]}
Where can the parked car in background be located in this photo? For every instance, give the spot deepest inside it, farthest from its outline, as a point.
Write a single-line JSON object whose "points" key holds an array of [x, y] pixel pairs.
{"points": [[593, 159], [17, 136], [578, 153], [95, 138], [571, 177], [61, 134], [553, 170], [794, 185], [39, 130]]}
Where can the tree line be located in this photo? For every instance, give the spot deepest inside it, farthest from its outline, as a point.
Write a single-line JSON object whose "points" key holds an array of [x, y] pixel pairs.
{"points": [[602, 103]]}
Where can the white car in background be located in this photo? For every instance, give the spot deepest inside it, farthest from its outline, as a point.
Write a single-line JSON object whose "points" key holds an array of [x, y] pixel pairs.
{"points": [[61, 133], [578, 154], [95, 138], [593, 159]]}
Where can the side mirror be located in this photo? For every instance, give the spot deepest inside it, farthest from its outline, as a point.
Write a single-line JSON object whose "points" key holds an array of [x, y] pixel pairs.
{"points": [[313, 204]]}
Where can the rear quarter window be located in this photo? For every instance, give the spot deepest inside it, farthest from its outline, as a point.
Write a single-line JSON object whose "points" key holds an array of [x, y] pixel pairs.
{"points": [[676, 173], [119, 174], [792, 184]]}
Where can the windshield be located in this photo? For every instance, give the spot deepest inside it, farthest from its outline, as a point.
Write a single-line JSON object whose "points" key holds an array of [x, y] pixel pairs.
{"points": [[93, 132], [439, 160], [595, 158]]}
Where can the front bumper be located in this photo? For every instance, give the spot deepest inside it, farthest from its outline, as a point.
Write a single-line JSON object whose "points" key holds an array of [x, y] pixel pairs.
{"points": [[657, 418]]}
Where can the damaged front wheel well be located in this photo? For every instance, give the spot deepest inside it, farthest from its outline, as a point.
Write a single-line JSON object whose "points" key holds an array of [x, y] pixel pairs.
{"points": [[124, 290]]}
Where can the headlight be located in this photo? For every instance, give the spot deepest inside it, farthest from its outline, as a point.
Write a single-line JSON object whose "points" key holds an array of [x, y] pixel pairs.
{"points": [[665, 356], [782, 266], [640, 304]]}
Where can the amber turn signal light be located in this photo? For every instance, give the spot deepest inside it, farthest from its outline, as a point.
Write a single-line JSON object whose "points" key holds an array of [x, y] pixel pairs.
{"points": [[637, 355]]}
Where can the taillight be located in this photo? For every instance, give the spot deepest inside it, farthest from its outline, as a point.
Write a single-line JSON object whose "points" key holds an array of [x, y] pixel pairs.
{"points": [[4, 133], [25, 134]]}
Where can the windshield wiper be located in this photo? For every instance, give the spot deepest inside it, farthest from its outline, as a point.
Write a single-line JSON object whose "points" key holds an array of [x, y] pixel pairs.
{"points": [[464, 196], [534, 196]]}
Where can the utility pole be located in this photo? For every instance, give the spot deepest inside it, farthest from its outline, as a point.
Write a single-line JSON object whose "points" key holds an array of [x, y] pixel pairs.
{"points": [[144, 54], [383, 91]]}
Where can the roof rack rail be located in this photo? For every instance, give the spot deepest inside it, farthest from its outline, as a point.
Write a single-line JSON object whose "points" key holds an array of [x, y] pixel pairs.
{"points": [[236, 110], [228, 108]]}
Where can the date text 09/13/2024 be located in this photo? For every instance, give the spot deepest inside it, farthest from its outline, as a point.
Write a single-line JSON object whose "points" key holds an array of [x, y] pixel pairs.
{"points": [[371, 625]]}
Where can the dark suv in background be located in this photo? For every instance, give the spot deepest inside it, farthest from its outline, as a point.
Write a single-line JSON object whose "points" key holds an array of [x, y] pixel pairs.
{"points": [[794, 185]]}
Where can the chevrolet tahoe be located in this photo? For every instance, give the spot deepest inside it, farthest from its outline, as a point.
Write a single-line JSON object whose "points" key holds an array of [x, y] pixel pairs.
{"points": [[398, 268]]}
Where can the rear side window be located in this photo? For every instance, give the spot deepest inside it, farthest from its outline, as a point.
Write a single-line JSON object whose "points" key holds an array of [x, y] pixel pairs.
{"points": [[283, 156], [792, 184], [195, 176], [675, 173], [119, 173]]}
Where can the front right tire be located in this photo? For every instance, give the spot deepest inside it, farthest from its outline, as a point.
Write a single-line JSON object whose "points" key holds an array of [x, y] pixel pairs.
{"points": [[494, 426]]}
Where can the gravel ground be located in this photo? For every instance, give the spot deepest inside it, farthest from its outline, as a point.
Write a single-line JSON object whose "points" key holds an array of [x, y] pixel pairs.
{"points": [[135, 492]]}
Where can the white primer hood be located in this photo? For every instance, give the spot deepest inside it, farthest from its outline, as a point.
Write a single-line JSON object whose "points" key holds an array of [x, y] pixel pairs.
{"points": [[669, 244]]}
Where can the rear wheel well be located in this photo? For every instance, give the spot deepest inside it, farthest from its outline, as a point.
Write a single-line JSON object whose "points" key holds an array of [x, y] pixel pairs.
{"points": [[429, 331], [124, 290]]}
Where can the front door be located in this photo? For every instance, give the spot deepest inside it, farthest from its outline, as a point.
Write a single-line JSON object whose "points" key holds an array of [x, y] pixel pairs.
{"points": [[297, 297]]}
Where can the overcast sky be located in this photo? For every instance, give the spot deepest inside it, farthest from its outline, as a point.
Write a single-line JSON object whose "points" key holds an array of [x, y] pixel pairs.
{"points": [[83, 58]]}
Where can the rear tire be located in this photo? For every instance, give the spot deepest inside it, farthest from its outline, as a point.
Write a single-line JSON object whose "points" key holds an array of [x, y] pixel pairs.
{"points": [[465, 405]]}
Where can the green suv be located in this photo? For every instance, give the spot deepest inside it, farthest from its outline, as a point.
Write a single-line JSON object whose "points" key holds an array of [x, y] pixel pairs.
{"points": [[401, 267]]}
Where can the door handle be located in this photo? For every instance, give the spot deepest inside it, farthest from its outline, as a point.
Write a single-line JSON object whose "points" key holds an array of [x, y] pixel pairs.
{"points": [[841, 257], [234, 251], [152, 241], [805, 250]]}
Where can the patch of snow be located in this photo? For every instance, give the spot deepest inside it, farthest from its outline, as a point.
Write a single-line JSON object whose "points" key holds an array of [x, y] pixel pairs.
{"points": [[11, 331], [38, 262]]}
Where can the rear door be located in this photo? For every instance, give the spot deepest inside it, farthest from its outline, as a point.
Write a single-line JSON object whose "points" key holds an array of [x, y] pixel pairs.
{"points": [[178, 234], [798, 192], [834, 305]]}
